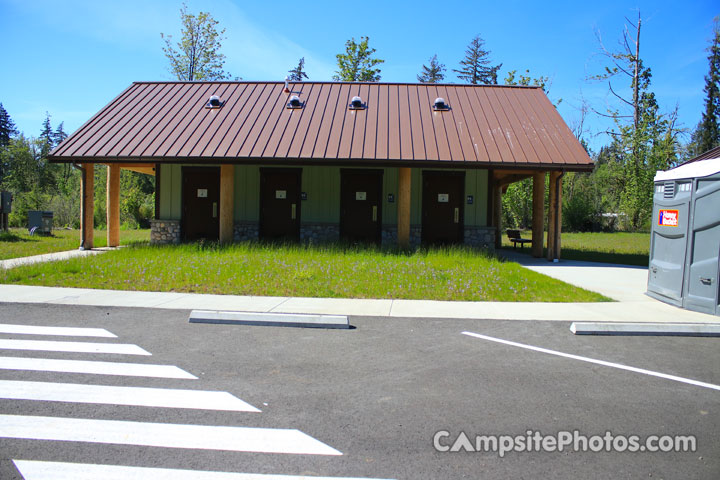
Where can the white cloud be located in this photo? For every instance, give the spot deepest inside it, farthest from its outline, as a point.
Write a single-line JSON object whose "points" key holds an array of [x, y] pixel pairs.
{"points": [[257, 53]]}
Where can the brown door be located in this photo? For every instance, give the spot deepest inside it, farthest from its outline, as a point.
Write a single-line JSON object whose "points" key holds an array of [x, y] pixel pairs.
{"points": [[361, 205], [442, 207], [280, 204], [200, 203]]}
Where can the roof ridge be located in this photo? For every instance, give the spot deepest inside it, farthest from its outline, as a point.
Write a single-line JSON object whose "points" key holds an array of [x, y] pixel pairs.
{"points": [[330, 82]]}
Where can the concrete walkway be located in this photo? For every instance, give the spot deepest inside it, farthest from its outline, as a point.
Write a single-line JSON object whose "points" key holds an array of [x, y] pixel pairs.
{"points": [[52, 257], [623, 283]]}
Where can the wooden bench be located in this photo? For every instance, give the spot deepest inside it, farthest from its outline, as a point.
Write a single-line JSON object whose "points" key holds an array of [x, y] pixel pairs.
{"points": [[514, 236]]}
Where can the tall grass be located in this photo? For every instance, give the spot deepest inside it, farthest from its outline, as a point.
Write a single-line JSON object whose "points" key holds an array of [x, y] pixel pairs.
{"points": [[336, 271]]}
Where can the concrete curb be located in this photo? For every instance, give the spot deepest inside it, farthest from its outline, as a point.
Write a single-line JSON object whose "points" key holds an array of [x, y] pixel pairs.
{"points": [[659, 329], [269, 319]]}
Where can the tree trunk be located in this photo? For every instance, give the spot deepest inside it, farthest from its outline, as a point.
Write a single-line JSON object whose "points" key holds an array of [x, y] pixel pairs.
{"points": [[636, 77]]}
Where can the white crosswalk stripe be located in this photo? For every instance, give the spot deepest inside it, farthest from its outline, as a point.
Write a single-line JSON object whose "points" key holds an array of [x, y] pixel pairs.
{"points": [[60, 331], [94, 367], [203, 437], [164, 435], [110, 395], [76, 347], [34, 470]]}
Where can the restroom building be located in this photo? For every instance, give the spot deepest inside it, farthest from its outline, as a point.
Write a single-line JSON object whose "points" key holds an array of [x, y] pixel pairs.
{"points": [[382, 163]]}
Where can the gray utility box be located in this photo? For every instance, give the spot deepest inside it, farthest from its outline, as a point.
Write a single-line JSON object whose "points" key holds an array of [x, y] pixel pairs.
{"points": [[685, 239], [42, 220], [5, 202]]}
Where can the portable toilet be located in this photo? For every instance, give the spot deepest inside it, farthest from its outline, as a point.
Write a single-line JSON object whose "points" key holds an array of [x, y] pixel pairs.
{"points": [[685, 238]]}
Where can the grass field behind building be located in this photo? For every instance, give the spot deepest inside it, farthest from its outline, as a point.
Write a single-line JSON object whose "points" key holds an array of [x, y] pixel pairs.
{"points": [[618, 247]]}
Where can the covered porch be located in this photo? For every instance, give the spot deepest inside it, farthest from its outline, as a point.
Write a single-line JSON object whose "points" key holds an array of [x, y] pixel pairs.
{"points": [[497, 182], [87, 203]]}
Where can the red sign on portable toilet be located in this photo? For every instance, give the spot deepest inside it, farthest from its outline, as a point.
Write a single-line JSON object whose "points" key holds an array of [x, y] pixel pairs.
{"points": [[668, 218]]}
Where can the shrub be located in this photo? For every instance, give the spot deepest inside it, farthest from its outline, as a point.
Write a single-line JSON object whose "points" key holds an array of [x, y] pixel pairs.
{"points": [[579, 215]]}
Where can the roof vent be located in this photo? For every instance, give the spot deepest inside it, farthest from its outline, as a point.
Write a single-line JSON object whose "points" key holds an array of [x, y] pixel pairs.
{"points": [[287, 87], [214, 102], [356, 104], [440, 105], [294, 102]]}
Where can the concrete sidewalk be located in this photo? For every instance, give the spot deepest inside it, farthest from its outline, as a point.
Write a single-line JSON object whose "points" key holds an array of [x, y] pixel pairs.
{"points": [[52, 257], [651, 311], [623, 283]]}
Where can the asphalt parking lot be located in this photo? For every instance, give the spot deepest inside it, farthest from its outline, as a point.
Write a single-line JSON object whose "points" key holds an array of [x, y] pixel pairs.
{"points": [[380, 393]]}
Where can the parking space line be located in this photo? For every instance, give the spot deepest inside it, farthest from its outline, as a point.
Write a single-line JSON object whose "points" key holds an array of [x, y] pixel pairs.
{"points": [[76, 347], [94, 368], [166, 435], [37, 470], [60, 331], [113, 395], [597, 362]]}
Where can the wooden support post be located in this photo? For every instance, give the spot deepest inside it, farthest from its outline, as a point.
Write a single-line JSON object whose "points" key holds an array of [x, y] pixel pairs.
{"points": [[227, 202], [558, 217], [113, 205], [497, 213], [538, 215], [403, 216], [87, 206], [554, 216], [157, 191]]}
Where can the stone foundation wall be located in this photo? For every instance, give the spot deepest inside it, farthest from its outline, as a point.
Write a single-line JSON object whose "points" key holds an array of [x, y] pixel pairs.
{"points": [[389, 235], [319, 232], [246, 231], [483, 237], [168, 231], [164, 231]]}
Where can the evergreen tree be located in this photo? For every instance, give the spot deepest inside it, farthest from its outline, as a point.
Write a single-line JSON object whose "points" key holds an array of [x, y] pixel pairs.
{"points": [[297, 74], [707, 134], [476, 67], [197, 57], [7, 127], [47, 136], [59, 135], [433, 73], [357, 64], [64, 170]]}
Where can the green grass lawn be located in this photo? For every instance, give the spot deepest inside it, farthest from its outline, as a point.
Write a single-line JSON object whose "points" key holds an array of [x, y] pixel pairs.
{"points": [[619, 247], [18, 243], [304, 271]]}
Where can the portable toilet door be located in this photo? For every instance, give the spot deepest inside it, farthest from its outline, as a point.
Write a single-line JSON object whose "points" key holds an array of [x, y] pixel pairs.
{"points": [[668, 240], [702, 267]]}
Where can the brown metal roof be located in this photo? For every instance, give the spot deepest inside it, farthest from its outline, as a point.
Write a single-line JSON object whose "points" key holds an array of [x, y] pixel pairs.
{"points": [[712, 153], [505, 126]]}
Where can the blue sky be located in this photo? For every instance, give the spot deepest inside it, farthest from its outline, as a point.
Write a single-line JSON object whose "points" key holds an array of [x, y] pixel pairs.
{"points": [[70, 58]]}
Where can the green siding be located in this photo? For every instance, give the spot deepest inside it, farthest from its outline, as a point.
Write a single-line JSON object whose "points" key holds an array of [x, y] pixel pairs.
{"points": [[247, 193], [476, 185], [170, 191], [322, 185], [390, 182]]}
